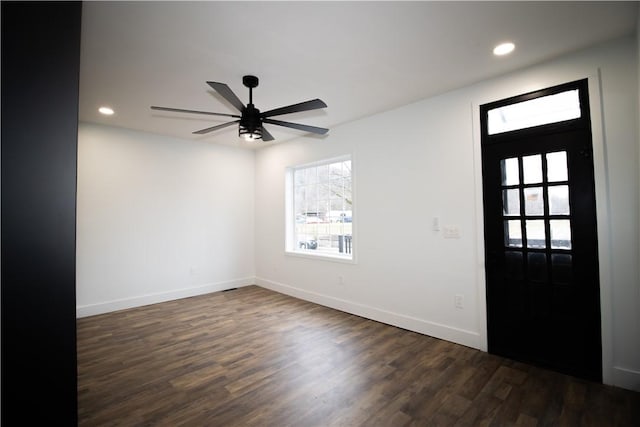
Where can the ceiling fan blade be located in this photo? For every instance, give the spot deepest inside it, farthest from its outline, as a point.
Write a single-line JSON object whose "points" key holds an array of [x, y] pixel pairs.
{"points": [[266, 136], [295, 108], [180, 110], [307, 128], [228, 94], [212, 128]]}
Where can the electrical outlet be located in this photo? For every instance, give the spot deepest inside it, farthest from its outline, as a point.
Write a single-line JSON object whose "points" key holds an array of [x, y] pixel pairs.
{"points": [[458, 301], [451, 232], [341, 280]]}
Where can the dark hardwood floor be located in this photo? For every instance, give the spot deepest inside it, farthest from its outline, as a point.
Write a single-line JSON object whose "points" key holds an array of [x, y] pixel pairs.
{"points": [[252, 357]]}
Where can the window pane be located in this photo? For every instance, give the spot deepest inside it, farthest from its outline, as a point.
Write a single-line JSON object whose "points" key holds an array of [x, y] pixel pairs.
{"points": [[307, 242], [513, 265], [323, 210], [561, 269], [559, 200], [533, 201], [335, 170], [299, 199], [535, 112], [324, 191], [532, 168], [557, 166], [537, 267], [336, 187], [336, 227], [535, 233], [323, 173], [337, 206], [560, 233], [311, 205], [311, 175], [511, 202], [513, 233], [346, 190], [510, 174], [307, 236], [299, 176], [346, 168], [324, 242]]}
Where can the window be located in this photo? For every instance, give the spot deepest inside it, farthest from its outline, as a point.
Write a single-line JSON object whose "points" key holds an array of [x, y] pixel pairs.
{"points": [[540, 202], [320, 209], [535, 112]]}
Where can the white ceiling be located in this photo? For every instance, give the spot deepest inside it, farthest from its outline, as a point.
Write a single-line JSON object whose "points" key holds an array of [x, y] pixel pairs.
{"points": [[361, 58]]}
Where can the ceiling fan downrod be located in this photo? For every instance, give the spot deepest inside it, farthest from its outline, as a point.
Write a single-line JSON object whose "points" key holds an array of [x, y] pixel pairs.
{"points": [[250, 82], [250, 123]]}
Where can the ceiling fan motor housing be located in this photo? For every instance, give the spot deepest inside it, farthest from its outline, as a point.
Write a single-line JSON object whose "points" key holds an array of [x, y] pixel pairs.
{"points": [[250, 122]]}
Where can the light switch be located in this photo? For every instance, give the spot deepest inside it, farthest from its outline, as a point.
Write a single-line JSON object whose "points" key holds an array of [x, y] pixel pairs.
{"points": [[458, 301]]}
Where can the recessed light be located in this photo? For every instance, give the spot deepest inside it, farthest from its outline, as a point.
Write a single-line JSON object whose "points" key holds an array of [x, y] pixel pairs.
{"points": [[504, 49], [106, 111]]}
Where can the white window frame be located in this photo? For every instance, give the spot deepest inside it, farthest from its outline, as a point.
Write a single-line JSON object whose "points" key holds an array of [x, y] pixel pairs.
{"points": [[290, 244]]}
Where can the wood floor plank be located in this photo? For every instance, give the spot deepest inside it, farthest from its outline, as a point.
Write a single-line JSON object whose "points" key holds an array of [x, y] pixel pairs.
{"points": [[253, 357]]}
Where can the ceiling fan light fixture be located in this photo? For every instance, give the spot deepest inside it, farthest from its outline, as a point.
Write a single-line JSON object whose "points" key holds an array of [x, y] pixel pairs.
{"points": [[249, 134]]}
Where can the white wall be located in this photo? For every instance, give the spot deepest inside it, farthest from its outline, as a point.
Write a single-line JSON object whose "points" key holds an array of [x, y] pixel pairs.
{"points": [[160, 218], [422, 161]]}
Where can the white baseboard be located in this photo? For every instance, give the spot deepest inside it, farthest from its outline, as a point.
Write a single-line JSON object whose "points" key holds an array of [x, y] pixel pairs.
{"points": [[626, 378], [138, 301], [437, 330]]}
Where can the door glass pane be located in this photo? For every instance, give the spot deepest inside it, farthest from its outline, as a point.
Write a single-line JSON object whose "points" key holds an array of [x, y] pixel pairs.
{"points": [[560, 233], [535, 233], [513, 265], [559, 200], [513, 233], [510, 174], [537, 266], [554, 108], [533, 201], [557, 166], [561, 269], [532, 168], [511, 202]]}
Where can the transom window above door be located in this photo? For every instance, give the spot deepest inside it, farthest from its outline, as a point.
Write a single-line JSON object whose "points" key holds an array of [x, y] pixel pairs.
{"points": [[558, 107]]}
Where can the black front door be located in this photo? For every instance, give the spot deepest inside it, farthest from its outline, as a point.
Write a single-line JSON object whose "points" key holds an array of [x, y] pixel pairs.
{"points": [[543, 299]]}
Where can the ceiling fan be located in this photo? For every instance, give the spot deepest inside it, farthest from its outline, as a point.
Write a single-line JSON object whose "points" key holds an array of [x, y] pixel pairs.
{"points": [[251, 119]]}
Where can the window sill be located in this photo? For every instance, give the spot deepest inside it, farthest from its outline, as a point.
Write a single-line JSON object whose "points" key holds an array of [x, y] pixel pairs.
{"points": [[321, 257]]}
